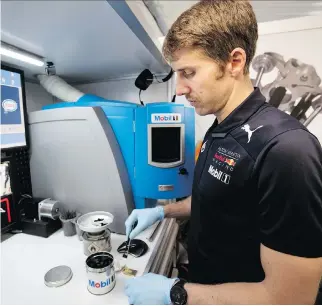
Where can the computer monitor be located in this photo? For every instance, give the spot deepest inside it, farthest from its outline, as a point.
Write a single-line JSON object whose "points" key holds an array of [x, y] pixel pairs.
{"points": [[13, 109]]}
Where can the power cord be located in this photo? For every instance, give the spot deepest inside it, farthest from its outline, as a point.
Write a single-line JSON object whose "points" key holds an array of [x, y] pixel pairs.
{"points": [[157, 79], [23, 197], [140, 97]]}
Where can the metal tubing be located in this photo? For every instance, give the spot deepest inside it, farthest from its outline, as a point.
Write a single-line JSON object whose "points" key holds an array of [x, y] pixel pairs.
{"points": [[312, 116], [259, 76]]}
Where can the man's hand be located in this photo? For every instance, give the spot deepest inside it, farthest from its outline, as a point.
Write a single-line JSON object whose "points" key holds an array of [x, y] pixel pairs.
{"points": [[151, 289], [145, 217]]}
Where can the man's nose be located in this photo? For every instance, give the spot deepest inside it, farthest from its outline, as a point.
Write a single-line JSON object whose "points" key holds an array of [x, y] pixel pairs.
{"points": [[181, 89]]}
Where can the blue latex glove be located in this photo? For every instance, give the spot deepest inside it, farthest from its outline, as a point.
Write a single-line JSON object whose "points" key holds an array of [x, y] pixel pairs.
{"points": [[151, 289], [145, 217]]}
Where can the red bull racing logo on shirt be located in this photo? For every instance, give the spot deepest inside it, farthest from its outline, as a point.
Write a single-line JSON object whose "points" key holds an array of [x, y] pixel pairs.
{"points": [[228, 161], [166, 118]]}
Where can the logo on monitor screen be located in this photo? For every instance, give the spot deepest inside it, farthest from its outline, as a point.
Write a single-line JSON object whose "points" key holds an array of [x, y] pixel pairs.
{"points": [[9, 105], [165, 118]]}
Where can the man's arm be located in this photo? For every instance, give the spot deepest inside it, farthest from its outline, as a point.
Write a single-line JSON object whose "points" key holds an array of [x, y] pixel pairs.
{"points": [[289, 175], [288, 280], [181, 209]]}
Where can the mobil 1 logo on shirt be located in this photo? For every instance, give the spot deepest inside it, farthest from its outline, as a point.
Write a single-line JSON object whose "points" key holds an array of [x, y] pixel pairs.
{"points": [[219, 175]]}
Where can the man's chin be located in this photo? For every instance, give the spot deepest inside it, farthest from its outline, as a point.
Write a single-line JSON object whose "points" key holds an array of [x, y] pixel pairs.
{"points": [[201, 111]]}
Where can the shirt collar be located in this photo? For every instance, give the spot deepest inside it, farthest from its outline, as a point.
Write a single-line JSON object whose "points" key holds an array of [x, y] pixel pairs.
{"points": [[240, 114]]}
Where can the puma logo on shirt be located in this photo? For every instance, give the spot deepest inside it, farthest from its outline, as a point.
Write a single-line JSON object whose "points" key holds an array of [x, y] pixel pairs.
{"points": [[247, 129]]}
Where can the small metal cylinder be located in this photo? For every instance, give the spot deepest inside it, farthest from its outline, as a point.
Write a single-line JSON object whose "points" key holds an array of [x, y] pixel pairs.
{"points": [[48, 209]]}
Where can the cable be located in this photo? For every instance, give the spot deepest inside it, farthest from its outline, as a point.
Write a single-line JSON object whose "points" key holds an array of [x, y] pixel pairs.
{"points": [[157, 79], [21, 200], [140, 97], [24, 197], [167, 78]]}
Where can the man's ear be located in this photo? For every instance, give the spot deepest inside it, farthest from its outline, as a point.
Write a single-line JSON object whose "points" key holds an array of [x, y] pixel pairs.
{"points": [[237, 61]]}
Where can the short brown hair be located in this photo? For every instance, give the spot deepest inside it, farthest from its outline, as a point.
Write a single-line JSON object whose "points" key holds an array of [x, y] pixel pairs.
{"points": [[216, 27]]}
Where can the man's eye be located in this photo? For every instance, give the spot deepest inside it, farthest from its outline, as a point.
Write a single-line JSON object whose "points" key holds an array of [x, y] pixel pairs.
{"points": [[188, 74]]}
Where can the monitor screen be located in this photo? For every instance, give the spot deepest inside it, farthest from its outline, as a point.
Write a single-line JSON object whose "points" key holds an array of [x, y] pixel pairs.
{"points": [[166, 143], [13, 133]]}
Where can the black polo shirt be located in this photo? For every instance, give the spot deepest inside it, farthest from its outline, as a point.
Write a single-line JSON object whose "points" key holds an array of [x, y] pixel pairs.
{"points": [[258, 180]]}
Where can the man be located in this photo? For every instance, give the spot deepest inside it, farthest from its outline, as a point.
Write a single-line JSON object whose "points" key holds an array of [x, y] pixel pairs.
{"points": [[256, 205]]}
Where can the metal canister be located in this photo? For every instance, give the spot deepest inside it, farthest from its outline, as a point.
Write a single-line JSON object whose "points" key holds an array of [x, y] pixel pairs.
{"points": [[100, 273], [48, 208], [97, 242]]}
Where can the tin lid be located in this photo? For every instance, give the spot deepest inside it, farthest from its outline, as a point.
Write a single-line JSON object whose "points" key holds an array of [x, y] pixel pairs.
{"points": [[58, 276], [95, 222]]}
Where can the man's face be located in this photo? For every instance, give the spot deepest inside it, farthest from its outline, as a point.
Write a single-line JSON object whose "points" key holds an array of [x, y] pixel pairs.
{"points": [[202, 81]]}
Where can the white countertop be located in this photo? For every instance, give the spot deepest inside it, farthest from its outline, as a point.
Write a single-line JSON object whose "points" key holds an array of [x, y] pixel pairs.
{"points": [[25, 259]]}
